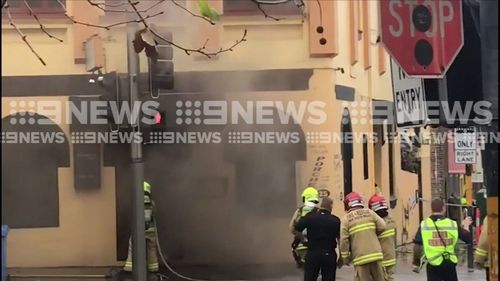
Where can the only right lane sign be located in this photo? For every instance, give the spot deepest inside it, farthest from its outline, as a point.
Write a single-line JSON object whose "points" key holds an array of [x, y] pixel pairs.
{"points": [[465, 145]]}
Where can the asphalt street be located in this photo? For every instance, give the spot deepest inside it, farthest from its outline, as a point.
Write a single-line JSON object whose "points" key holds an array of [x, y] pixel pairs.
{"points": [[403, 272]]}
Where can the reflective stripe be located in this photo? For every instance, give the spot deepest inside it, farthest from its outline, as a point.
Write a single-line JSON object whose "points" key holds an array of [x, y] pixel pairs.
{"points": [[481, 252], [387, 233], [367, 258], [344, 254], [361, 227], [354, 228], [389, 262], [433, 228]]}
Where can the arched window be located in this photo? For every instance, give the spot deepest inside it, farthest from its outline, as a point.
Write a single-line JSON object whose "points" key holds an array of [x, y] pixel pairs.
{"points": [[33, 147]]}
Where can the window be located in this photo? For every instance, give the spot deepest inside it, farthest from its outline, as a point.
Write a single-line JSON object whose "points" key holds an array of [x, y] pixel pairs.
{"points": [[365, 157], [248, 7], [41, 7]]}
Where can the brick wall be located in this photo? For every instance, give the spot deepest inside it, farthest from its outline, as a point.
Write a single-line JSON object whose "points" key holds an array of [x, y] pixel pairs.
{"points": [[439, 164]]}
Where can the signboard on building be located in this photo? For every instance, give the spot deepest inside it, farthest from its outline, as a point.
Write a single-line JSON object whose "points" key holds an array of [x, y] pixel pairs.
{"points": [[409, 98], [465, 140]]}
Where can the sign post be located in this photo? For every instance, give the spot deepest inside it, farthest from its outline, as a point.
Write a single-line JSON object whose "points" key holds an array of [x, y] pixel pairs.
{"points": [[423, 36], [409, 98]]}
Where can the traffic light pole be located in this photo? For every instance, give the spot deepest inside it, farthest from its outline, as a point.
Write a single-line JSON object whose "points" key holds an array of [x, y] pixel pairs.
{"points": [[138, 230]]}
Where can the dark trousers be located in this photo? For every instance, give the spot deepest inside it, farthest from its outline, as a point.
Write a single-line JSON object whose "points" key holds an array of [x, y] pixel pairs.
{"points": [[447, 271], [318, 260], [487, 274]]}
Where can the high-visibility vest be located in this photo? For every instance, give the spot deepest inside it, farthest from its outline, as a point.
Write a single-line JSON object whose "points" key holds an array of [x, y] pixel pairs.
{"points": [[434, 250]]}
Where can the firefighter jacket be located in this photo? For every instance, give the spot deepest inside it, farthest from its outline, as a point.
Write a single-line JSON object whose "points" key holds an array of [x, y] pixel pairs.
{"points": [[148, 214], [359, 240], [388, 242], [481, 255], [299, 213]]}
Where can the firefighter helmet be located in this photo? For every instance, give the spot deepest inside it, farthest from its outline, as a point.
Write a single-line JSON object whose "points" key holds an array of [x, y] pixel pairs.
{"points": [[353, 199], [310, 194], [147, 187], [377, 202]]}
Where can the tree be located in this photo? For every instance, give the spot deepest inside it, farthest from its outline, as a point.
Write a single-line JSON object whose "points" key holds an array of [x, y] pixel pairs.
{"points": [[147, 37]]}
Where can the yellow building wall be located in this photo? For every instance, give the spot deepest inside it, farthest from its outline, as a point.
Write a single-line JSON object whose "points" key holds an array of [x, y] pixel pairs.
{"points": [[86, 234], [85, 238]]}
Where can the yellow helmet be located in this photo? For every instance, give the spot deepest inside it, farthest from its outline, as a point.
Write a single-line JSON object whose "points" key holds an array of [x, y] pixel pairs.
{"points": [[147, 187], [310, 194]]}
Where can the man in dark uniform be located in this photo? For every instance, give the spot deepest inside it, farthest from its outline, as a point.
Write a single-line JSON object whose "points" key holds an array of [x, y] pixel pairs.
{"points": [[323, 233]]}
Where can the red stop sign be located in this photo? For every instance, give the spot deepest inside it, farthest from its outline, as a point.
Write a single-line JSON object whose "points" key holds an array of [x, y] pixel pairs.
{"points": [[423, 36]]}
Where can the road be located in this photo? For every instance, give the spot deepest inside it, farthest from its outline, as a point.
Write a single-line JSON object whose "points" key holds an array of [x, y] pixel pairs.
{"points": [[403, 272]]}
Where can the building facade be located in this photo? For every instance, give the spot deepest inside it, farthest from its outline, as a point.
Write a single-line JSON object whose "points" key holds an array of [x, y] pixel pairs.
{"points": [[249, 189]]}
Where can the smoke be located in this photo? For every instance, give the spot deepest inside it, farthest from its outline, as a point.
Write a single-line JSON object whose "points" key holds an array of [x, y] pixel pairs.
{"points": [[223, 209]]}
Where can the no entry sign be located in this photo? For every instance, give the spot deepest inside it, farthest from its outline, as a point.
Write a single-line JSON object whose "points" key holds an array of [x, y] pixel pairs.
{"points": [[409, 98], [424, 36]]}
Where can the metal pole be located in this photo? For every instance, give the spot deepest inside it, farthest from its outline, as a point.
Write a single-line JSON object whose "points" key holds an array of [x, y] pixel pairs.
{"points": [[470, 212], [419, 174], [489, 55], [138, 223]]}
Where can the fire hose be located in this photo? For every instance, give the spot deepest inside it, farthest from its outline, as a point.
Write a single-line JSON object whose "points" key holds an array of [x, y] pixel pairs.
{"points": [[162, 258]]}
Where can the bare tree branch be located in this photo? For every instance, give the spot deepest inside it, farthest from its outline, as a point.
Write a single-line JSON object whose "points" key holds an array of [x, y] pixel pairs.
{"points": [[193, 14], [141, 19], [109, 26], [103, 7], [42, 27], [188, 51], [266, 15], [24, 37]]}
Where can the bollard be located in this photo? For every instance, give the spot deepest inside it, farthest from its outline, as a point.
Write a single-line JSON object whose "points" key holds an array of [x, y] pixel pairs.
{"points": [[5, 230]]}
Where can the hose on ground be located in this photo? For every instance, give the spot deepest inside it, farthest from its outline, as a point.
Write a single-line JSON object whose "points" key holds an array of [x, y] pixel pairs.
{"points": [[162, 258]]}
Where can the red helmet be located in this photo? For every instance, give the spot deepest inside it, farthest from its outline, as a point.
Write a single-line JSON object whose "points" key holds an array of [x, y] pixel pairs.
{"points": [[377, 202], [353, 199]]}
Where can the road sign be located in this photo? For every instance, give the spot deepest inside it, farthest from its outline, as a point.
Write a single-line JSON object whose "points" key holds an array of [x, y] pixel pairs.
{"points": [[465, 145], [465, 156], [409, 98], [423, 36], [465, 138]]}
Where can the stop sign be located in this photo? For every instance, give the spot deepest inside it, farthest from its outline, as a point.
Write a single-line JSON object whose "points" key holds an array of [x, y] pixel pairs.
{"points": [[423, 36]]}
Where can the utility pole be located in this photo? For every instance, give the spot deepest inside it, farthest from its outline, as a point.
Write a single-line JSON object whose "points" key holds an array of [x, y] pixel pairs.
{"points": [[138, 223], [489, 51]]}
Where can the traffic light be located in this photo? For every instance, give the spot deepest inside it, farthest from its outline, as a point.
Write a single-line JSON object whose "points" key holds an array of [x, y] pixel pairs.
{"points": [[161, 67], [422, 20], [160, 123]]}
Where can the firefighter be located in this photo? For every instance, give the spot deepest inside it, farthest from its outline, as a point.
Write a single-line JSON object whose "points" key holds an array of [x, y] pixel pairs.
{"points": [[438, 236], [481, 255], [310, 198], [359, 241], [387, 239], [150, 229]]}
